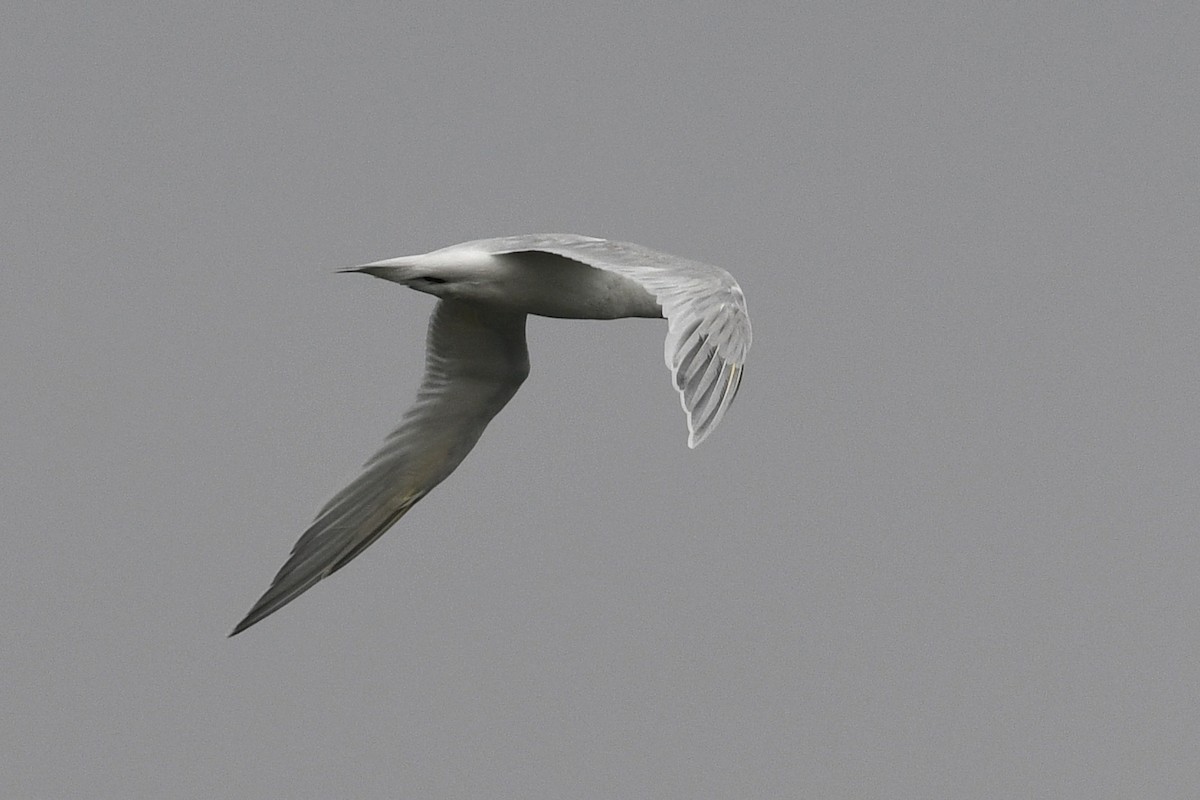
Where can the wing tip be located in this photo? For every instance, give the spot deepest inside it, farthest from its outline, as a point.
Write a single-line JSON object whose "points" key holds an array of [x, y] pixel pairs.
{"points": [[699, 429], [241, 626], [258, 613]]}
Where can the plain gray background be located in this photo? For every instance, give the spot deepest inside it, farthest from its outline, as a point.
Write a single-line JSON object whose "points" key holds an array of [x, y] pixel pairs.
{"points": [[943, 546]]}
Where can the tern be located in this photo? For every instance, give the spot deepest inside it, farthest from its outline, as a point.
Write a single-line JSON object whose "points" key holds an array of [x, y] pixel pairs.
{"points": [[476, 359]]}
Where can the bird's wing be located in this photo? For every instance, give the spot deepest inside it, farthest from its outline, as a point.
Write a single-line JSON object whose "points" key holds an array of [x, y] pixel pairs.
{"points": [[708, 327], [476, 359]]}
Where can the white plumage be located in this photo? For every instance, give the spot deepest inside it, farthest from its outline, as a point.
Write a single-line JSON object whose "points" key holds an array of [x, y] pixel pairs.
{"points": [[476, 359]]}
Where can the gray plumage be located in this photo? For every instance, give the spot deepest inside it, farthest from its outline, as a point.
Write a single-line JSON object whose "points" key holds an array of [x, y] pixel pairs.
{"points": [[476, 359]]}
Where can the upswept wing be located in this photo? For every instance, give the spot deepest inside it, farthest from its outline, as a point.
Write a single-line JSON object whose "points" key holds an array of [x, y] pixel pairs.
{"points": [[476, 360], [708, 327]]}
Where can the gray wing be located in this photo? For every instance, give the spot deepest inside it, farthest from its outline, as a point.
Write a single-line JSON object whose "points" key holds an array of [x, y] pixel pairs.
{"points": [[476, 359], [708, 327]]}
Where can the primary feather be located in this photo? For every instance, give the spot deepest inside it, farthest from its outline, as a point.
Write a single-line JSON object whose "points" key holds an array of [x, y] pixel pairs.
{"points": [[476, 359]]}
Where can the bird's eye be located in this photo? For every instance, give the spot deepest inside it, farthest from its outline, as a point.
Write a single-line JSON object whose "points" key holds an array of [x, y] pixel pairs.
{"points": [[434, 280]]}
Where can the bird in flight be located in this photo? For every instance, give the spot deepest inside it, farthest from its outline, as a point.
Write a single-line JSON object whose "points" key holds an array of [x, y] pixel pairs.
{"points": [[476, 359]]}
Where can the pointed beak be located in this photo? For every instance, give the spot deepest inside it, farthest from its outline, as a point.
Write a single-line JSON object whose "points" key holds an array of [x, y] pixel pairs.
{"points": [[392, 269]]}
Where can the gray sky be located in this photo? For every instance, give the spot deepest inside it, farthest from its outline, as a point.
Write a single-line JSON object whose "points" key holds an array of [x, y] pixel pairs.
{"points": [[943, 546]]}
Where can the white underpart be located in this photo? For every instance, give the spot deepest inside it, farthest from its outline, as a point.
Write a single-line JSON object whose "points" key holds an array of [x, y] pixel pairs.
{"points": [[708, 327], [476, 359]]}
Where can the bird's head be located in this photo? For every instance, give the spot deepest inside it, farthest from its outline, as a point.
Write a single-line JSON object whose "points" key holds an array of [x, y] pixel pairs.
{"points": [[450, 273]]}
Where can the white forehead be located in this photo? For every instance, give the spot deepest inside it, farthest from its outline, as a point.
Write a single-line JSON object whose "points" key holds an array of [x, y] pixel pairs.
{"points": [[458, 256]]}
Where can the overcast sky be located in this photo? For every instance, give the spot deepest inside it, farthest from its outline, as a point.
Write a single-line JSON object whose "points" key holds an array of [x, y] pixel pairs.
{"points": [[943, 546]]}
